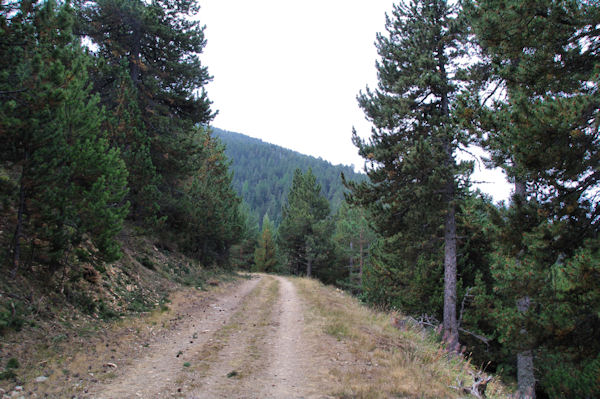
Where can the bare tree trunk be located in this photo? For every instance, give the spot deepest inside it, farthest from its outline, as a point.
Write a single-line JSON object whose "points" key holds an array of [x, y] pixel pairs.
{"points": [[525, 375], [309, 256], [521, 190], [351, 264], [450, 320], [525, 371]]}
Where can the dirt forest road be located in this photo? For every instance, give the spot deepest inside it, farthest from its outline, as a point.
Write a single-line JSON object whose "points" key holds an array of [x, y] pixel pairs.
{"points": [[249, 342]]}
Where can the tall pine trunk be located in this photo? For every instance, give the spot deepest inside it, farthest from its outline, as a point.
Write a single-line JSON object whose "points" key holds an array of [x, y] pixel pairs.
{"points": [[134, 61], [308, 260], [351, 263], [450, 320], [525, 372]]}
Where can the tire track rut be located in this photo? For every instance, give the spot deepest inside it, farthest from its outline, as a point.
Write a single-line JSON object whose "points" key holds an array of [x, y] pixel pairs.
{"points": [[158, 371]]}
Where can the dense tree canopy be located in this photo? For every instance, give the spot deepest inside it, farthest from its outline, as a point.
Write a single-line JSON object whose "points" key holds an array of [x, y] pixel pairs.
{"points": [[532, 102], [89, 134], [263, 173], [542, 57], [68, 181], [149, 74]]}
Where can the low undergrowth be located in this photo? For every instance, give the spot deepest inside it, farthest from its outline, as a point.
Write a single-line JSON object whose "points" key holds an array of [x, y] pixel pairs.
{"points": [[386, 362]]}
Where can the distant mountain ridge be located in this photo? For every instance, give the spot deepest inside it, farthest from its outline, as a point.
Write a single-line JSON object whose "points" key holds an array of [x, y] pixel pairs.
{"points": [[263, 173]]}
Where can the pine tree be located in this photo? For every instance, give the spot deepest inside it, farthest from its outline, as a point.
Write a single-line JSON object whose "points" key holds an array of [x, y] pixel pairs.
{"points": [[242, 253], [414, 176], [305, 231], [152, 81], [205, 215], [149, 54], [353, 238], [126, 131], [71, 183], [265, 255]]}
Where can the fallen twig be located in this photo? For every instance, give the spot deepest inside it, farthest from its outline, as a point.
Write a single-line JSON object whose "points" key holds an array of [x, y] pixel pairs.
{"points": [[478, 387], [479, 337]]}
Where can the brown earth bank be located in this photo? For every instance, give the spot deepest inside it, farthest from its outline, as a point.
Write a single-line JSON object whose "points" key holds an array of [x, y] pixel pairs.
{"points": [[259, 337]]}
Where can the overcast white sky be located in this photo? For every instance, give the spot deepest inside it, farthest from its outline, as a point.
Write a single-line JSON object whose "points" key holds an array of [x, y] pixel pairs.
{"points": [[288, 72]]}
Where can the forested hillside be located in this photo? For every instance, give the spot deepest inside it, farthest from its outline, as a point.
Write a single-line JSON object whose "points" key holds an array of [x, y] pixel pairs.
{"points": [[263, 173]]}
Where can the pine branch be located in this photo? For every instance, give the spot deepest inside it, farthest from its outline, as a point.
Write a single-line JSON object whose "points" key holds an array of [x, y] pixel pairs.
{"points": [[5, 92]]}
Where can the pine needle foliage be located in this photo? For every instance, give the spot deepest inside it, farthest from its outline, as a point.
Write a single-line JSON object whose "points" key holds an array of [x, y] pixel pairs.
{"points": [[415, 180], [71, 183]]}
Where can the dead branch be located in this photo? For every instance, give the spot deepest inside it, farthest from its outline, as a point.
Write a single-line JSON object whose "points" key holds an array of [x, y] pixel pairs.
{"points": [[422, 322], [483, 339], [15, 296], [477, 388], [462, 306]]}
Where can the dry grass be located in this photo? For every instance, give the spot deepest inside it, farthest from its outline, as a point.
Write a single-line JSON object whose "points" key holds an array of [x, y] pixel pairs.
{"points": [[384, 362]]}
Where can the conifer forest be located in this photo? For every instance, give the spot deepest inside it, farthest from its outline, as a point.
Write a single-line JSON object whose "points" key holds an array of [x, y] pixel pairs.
{"points": [[106, 133]]}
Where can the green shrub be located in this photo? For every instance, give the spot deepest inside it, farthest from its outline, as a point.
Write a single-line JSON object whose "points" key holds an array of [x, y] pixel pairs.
{"points": [[100, 267], [146, 262], [12, 363], [9, 373], [106, 312], [563, 378], [11, 319], [82, 301], [82, 254], [137, 303]]}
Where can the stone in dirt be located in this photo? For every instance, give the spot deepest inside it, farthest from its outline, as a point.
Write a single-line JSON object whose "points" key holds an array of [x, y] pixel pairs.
{"points": [[41, 378]]}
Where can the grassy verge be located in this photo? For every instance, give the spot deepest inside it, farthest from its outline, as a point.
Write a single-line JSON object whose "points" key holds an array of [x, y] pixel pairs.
{"points": [[385, 362]]}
